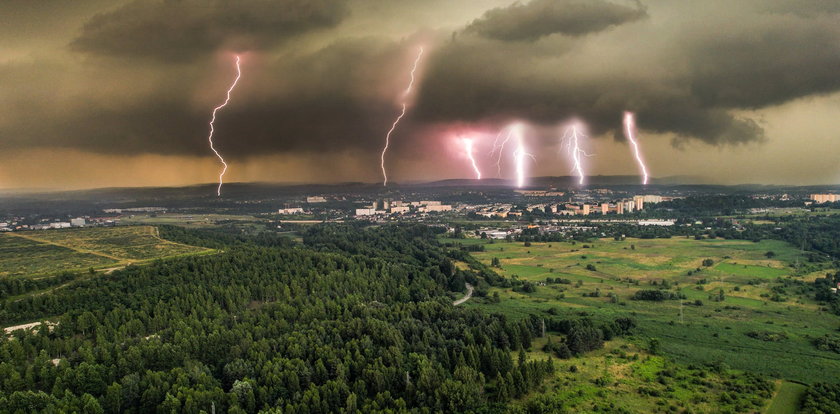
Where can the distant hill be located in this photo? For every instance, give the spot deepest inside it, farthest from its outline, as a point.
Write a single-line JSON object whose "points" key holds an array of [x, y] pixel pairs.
{"points": [[206, 193]]}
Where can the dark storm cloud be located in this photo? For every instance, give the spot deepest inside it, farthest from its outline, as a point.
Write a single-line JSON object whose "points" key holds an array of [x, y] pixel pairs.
{"points": [[324, 101], [689, 89], [780, 60], [683, 74], [487, 88], [805, 8], [538, 18], [178, 30]]}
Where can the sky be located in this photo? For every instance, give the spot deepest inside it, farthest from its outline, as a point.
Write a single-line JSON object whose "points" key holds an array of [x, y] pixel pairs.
{"points": [[119, 93]]}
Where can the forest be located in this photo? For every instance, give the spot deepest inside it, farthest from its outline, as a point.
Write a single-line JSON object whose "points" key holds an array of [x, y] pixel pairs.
{"points": [[352, 320]]}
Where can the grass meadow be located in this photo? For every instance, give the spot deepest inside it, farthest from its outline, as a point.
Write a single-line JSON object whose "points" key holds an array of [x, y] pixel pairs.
{"points": [[46, 252], [697, 330]]}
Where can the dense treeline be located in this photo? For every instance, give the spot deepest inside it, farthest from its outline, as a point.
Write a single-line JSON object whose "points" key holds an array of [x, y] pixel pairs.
{"points": [[823, 291], [714, 205], [415, 243], [656, 295], [820, 234], [356, 322], [218, 238], [821, 398], [18, 286]]}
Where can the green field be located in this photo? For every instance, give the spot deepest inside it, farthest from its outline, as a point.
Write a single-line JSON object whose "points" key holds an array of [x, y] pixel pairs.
{"points": [[46, 252], [623, 377], [21, 257], [188, 220], [701, 330], [786, 400]]}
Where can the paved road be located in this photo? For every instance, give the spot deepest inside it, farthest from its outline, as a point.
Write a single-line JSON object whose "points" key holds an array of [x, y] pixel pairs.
{"points": [[466, 297]]}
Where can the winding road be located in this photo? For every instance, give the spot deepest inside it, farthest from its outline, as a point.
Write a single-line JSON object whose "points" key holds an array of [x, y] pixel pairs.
{"points": [[466, 297]]}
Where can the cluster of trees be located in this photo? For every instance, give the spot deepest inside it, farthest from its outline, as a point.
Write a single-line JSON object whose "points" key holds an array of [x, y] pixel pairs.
{"points": [[718, 205], [819, 235], [822, 291], [222, 237], [20, 285], [828, 343], [529, 235], [767, 336], [583, 335], [356, 320], [656, 295], [821, 398]]}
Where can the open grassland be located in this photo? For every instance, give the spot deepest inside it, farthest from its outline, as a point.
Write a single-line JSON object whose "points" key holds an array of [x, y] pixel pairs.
{"points": [[190, 220], [40, 253], [20, 257], [786, 400], [621, 377], [753, 328]]}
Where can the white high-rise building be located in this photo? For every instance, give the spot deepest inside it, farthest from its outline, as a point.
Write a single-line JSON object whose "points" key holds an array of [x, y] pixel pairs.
{"points": [[825, 198], [639, 201]]}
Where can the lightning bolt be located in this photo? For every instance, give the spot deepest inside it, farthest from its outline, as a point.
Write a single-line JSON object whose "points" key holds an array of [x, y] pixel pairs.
{"points": [[468, 147], [629, 129], [212, 126], [517, 130], [404, 105], [572, 139], [500, 147]]}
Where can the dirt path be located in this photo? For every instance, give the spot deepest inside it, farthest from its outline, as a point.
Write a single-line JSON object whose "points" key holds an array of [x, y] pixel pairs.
{"points": [[110, 270], [466, 297], [27, 326]]}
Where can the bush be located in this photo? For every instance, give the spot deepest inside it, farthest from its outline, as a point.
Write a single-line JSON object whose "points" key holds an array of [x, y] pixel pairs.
{"points": [[767, 336], [828, 343], [526, 287]]}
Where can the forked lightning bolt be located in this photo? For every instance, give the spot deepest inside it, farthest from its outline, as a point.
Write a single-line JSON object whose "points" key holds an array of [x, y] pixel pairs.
{"points": [[572, 138], [507, 131], [212, 127], [629, 131], [404, 105], [468, 147], [517, 130]]}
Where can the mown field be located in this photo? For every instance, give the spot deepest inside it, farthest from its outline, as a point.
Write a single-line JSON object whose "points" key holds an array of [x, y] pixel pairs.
{"points": [[40, 253], [787, 398], [753, 328]]}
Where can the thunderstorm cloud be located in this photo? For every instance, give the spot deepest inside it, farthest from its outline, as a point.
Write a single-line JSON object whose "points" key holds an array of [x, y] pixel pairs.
{"points": [[538, 18], [325, 76], [177, 30]]}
